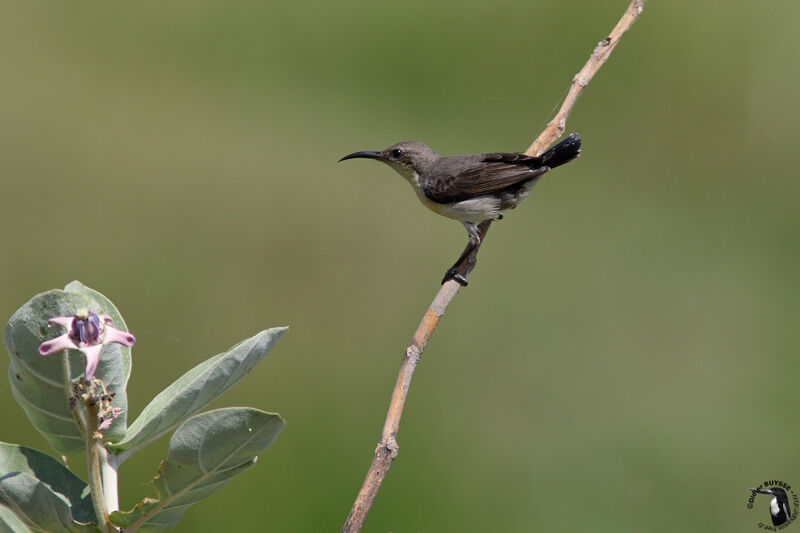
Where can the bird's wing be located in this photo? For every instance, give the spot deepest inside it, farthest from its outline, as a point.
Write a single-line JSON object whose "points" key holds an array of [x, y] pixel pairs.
{"points": [[488, 174]]}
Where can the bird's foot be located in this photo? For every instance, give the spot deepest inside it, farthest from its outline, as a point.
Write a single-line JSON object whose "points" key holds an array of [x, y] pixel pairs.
{"points": [[453, 274]]}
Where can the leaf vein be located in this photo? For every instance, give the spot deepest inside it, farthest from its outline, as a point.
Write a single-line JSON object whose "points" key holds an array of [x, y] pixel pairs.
{"points": [[41, 409], [36, 373]]}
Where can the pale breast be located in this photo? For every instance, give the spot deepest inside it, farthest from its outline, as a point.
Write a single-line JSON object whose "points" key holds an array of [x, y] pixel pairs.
{"points": [[474, 210]]}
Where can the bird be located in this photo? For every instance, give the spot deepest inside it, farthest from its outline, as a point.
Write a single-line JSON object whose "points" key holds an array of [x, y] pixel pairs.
{"points": [[471, 188], [779, 508]]}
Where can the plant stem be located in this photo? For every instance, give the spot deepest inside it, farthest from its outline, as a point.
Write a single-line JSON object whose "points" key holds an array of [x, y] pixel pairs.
{"points": [[94, 452], [108, 472]]}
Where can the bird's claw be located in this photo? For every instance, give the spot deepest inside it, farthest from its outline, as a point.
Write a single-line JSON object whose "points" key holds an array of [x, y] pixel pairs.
{"points": [[453, 274]]}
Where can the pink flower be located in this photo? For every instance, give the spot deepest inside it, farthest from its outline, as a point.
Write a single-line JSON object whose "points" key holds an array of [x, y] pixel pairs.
{"points": [[87, 332], [106, 419]]}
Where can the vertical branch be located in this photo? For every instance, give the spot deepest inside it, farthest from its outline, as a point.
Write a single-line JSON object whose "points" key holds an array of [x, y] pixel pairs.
{"points": [[94, 468], [387, 447], [109, 474]]}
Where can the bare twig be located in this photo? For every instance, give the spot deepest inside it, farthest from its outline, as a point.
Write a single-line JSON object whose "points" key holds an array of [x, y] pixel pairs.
{"points": [[387, 447], [386, 450], [555, 128]]}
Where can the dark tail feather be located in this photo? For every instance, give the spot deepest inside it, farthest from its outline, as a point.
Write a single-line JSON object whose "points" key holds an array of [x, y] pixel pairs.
{"points": [[563, 152]]}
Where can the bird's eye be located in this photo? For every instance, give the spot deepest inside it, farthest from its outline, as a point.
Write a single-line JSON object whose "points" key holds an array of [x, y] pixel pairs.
{"points": [[397, 153]]}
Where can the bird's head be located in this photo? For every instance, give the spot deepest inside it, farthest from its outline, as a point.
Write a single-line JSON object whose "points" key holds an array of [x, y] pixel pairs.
{"points": [[408, 158], [774, 491]]}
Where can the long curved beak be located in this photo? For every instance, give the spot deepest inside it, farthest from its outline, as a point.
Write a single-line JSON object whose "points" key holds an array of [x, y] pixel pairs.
{"points": [[368, 154]]}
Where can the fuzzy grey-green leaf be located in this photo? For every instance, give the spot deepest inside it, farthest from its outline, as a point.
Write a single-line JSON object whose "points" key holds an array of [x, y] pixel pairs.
{"points": [[38, 506], [206, 452], [194, 390], [42, 385], [54, 474]]}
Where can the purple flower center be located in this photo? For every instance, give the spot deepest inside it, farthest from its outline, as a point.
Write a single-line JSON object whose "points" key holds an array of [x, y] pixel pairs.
{"points": [[86, 331]]}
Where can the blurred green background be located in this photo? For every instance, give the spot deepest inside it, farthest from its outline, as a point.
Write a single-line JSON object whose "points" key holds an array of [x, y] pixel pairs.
{"points": [[625, 357]]}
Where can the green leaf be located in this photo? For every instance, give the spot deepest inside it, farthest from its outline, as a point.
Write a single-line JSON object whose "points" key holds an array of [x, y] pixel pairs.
{"points": [[194, 390], [206, 452], [51, 472], [37, 505], [42, 385], [11, 523]]}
